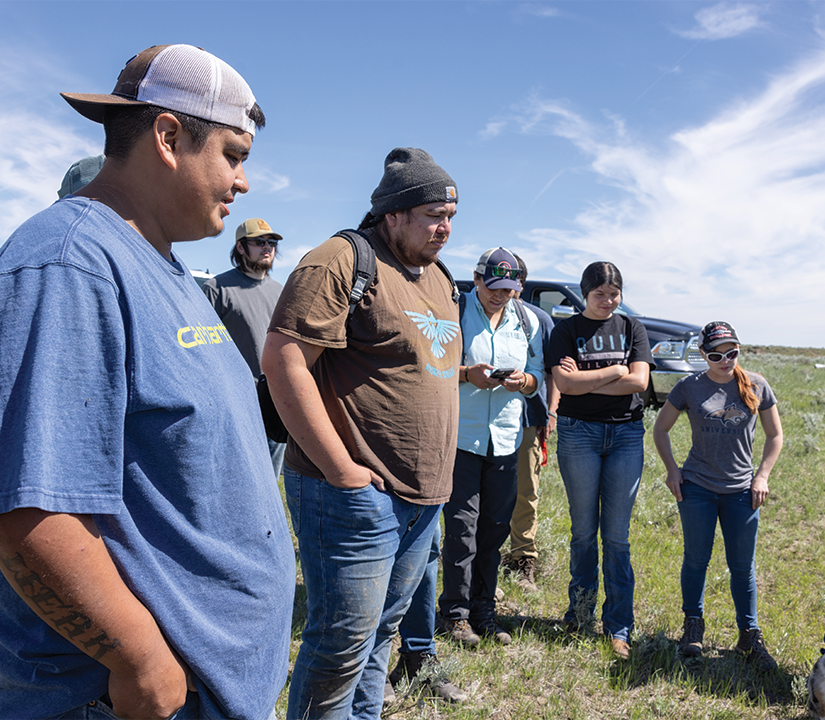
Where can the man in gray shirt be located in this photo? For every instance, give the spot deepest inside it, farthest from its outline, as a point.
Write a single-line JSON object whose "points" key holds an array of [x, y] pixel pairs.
{"points": [[245, 297]]}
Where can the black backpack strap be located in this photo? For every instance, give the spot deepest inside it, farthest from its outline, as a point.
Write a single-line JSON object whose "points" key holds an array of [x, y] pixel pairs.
{"points": [[524, 322], [462, 306], [363, 265], [363, 268], [456, 291]]}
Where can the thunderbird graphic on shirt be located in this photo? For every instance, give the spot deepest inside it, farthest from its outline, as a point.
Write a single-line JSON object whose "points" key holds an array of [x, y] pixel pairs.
{"points": [[440, 332], [731, 415]]}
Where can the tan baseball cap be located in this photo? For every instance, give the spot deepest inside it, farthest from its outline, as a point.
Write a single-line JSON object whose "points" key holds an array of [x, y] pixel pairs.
{"points": [[255, 227]]}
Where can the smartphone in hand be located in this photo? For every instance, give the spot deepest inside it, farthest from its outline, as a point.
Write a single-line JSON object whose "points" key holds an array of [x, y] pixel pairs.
{"points": [[501, 373]]}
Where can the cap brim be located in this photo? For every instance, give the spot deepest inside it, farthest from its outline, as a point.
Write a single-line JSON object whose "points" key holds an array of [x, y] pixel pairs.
{"points": [[91, 106], [718, 343], [502, 283], [262, 232]]}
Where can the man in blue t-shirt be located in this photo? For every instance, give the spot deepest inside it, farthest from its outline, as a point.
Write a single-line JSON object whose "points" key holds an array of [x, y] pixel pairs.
{"points": [[148, 566]]}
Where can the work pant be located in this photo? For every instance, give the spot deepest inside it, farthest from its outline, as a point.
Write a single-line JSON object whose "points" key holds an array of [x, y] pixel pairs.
{"points": [[476, 524], [524, 523]]}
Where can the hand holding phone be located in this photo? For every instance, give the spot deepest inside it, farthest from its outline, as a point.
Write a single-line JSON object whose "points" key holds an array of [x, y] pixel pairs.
{"points": [[501, 373]]}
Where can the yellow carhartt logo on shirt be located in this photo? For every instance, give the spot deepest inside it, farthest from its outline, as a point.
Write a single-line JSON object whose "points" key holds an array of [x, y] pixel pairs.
{"points": [[194, 335]]}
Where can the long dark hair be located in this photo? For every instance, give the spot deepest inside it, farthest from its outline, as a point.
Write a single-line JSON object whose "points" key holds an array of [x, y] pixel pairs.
{"points": [[369, 221], [235, 257], [600, 273]]}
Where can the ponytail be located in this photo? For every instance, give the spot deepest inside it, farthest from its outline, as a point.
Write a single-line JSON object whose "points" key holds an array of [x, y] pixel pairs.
{"points": [[746, 389]]}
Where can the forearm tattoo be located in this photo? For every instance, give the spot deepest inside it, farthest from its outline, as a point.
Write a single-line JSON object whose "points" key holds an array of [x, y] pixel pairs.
{"points": [[67, 621]]}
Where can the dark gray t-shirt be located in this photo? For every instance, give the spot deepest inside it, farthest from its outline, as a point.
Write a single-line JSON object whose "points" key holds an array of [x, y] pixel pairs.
{"points": [[245, 305], [722, 427]]}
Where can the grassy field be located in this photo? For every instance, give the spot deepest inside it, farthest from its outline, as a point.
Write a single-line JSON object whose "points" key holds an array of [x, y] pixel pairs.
{"points": [[548, 674]]}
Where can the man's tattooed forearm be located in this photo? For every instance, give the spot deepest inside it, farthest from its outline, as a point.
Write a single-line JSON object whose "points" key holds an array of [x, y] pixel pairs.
{"points": [[68, 621]]}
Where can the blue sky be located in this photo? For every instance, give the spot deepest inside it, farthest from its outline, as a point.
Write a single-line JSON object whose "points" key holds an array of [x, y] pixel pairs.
{"points": [[683, 141]]}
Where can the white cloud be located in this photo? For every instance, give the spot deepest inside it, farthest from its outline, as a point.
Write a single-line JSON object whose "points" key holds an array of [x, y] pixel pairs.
{"points": [[724, 21], [540, 117], [726, 220], [493, 128], [38, 146], [33, 165], [541, 11], [263, 180]]}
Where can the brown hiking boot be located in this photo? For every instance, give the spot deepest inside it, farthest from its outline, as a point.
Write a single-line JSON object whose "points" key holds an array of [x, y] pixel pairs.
{"points": [[425, 668], [488, 627], [752, 645], [458, 630], [526, 570], [690, 644]]}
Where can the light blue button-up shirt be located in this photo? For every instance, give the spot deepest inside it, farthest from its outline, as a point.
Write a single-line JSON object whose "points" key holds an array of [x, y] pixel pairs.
{"points": [[495, 413]]}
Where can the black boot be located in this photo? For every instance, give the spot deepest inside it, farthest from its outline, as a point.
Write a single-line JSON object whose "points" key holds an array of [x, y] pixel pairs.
{"points": [[752, 646], [693, 635], [430, 674]]}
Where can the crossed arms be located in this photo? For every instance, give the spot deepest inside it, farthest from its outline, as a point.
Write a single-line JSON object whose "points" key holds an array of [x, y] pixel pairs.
{"points": [[611, 380]]}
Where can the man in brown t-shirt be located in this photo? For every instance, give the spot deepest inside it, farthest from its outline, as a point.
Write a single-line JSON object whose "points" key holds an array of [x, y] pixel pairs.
{"points": [[370, 400]]}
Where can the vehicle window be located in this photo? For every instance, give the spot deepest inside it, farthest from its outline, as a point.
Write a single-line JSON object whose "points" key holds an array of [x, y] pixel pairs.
{"points": [[201, 277], [548, 299], [625, 309]]}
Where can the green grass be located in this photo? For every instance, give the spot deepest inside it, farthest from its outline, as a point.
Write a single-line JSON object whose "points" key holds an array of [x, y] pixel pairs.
{"points": [[548, 674]]}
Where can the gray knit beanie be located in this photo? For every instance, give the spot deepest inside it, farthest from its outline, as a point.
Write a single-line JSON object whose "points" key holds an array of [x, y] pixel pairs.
{"points": [[411, 178]]}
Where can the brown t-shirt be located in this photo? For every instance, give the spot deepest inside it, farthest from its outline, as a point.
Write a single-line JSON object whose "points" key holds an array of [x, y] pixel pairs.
{"points": [[390, 381]]}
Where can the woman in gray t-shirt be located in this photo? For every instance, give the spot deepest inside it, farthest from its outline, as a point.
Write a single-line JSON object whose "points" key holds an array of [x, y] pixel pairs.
{"points": [[717, 480]]}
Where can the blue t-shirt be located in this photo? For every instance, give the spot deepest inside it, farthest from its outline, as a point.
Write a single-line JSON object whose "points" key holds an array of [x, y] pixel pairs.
{"points": [[123, 396]]}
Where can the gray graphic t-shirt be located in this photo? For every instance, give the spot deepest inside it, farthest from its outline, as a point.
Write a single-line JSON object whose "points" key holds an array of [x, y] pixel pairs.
{"points": [[721, 458]]}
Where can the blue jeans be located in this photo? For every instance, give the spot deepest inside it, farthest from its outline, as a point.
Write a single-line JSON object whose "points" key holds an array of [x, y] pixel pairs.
{"points": [[102, 710], [418, 626], [699, 510], [476, 524], [363, 553], [601, 466]]}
